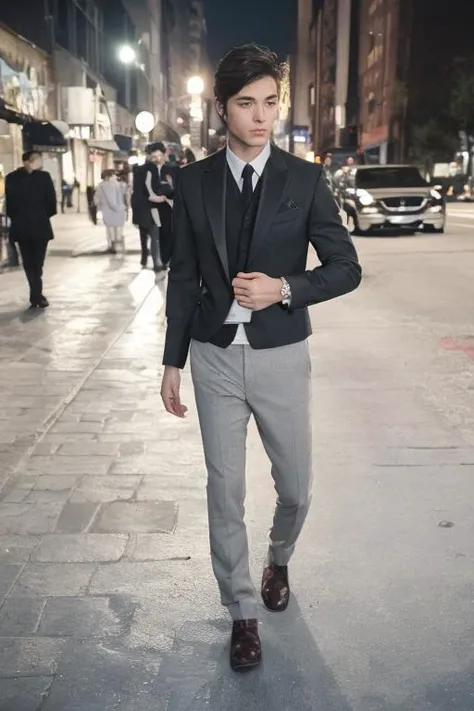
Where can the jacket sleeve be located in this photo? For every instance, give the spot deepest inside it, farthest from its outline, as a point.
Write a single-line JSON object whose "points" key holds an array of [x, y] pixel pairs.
{"points": [[183, 286], [11, 206], [50, 195], [339, 272]]}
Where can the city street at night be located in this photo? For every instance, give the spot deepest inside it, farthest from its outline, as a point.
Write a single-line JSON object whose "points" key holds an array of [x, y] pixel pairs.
{"points": [[236, 355], [109, 601]]}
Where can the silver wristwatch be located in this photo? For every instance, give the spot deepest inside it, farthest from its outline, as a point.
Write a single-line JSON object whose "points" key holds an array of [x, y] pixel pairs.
{"points": [[285, 292]]}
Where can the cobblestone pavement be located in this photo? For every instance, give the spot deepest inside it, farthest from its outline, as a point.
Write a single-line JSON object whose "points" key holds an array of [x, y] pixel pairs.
{"points": [[107, 599]]}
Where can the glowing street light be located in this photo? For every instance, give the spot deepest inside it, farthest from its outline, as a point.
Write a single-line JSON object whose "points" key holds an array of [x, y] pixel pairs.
{"points": [[127, 54], [195, 85], [145, 122]]}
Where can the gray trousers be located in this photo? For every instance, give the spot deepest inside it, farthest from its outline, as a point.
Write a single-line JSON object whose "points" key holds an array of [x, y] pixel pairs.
{"points": [[275, 386]]}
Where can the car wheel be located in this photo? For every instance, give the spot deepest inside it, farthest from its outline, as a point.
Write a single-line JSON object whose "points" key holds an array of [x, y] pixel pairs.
{"points": [[353, 225], [434, 230]]}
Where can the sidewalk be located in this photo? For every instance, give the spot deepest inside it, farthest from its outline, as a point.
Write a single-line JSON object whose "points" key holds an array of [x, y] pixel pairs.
{"points": [[75, 235], [107, 599], [93, 583], [44, 355]]}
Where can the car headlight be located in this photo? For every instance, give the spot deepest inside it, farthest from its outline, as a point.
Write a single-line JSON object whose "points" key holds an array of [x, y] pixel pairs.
{"points": [[436, 196], [364, 197]]}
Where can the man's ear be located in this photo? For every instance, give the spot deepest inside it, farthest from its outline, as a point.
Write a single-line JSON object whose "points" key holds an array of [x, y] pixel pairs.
{"points": [[221, 111]]}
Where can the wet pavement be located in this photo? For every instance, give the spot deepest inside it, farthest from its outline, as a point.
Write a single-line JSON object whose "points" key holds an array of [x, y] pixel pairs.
{"points": [[106, 592]]}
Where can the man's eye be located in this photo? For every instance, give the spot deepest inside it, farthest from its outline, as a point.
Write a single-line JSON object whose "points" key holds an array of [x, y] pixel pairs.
{"points": [[245, 104], [272, 103]]}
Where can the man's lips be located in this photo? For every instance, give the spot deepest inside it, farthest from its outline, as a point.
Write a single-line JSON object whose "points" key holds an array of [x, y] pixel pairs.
{"points": [[259, 131]]}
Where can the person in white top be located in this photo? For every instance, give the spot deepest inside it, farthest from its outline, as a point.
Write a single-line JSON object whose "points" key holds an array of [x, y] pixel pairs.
{"points": [[110, 199]]}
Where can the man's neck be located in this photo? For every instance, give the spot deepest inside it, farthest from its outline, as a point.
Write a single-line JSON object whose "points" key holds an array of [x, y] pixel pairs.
{"points": [[244, 152]]}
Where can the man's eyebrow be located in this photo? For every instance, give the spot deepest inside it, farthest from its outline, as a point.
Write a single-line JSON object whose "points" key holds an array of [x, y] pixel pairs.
{"points": [[252, 98]]}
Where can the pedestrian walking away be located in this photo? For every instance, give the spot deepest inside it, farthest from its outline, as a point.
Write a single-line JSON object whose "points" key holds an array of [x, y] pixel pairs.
{"points": [[237, 297], [110, 199], [152, 195], [30, 203]]}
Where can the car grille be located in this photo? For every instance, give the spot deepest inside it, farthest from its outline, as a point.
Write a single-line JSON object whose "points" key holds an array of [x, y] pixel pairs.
{"points": [[410, 203]]}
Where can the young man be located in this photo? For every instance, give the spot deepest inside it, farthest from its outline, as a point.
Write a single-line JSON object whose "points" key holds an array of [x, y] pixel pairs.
{"points": [[31, 202], [239, 290], [151, 209]]}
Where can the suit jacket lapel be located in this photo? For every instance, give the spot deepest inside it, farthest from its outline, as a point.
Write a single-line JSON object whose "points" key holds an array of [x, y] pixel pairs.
{"points": [[214, 190], [275, 180]]}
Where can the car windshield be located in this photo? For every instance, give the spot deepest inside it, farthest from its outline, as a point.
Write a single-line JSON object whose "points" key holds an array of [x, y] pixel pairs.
{"points": [[403, 177]]}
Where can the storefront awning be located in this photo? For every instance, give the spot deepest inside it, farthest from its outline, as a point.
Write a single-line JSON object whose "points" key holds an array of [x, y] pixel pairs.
{"points": [[11, 115], [107, 146], [43, 136], [123, 142]]}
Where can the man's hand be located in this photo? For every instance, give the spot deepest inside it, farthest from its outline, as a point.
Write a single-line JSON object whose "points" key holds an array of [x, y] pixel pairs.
{"points": [[170, 392], [256, 291], [157, 198]]}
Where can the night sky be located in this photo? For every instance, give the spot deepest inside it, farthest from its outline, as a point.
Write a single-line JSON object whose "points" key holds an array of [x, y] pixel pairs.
{"points": [[234, 22]]}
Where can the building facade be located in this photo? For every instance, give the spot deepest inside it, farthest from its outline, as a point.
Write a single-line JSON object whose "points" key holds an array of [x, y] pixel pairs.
{"points": [[27, 102], [334, 88], [407, 50], [301, 82], [382, 105], [326, 61], [60, 63]]}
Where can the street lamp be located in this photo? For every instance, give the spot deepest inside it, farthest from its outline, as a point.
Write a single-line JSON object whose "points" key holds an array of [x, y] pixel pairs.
{"points": [[195, 87], [127, 54]]}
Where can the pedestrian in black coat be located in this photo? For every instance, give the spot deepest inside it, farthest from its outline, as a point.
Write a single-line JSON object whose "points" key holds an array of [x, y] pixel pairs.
{"points": [[153, 191], [30, 203]]}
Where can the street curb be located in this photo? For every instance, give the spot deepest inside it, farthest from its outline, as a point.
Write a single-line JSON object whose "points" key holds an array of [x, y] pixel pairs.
{"points": [[94, 252]]}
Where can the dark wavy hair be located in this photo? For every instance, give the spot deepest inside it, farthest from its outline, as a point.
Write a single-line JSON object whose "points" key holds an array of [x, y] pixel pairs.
{"points": [[244, 65], [157, 146]]}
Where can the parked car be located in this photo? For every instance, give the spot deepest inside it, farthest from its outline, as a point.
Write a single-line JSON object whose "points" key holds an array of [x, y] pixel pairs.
{"points": [[391, 197]]}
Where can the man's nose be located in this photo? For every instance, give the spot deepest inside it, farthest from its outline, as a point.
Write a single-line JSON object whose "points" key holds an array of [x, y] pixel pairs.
{"points": [[259, 114]]}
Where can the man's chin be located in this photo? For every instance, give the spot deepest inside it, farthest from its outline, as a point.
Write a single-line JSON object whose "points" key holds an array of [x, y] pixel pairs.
{"points": [[256, 141]]}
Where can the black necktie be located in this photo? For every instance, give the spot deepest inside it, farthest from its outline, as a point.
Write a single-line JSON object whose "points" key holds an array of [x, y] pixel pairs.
{"points": [[247, 187]]}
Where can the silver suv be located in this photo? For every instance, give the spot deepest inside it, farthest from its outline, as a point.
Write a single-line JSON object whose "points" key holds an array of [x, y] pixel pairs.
{"points": [[390, 197]]}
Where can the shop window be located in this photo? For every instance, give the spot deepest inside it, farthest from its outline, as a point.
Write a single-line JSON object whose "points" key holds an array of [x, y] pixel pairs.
{"points": [[81, 35]]}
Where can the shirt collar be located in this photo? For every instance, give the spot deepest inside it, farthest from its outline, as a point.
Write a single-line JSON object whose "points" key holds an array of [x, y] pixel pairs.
{"points": [[237, 165]]}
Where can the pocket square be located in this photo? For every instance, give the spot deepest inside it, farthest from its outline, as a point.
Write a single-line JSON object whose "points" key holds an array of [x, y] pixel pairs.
{"points": [[289, 205]]}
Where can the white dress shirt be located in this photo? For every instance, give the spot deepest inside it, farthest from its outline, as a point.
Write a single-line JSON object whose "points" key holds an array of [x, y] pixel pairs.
{"points": [[237, 166]]}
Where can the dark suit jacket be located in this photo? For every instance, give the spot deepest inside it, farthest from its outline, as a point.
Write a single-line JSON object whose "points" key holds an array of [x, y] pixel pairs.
{"points": [[296, 209], [141, 205], [30, 202]]}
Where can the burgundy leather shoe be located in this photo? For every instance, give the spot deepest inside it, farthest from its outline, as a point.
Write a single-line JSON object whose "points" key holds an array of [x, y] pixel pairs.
{"points": [[245, 646], [276, 588]]}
